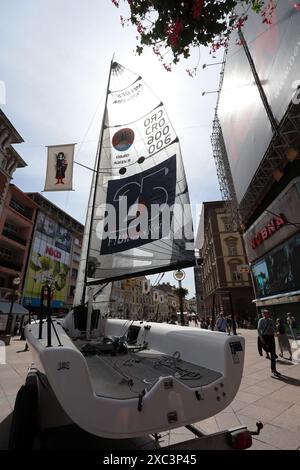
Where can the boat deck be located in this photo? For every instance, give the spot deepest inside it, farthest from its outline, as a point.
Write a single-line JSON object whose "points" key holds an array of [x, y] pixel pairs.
{"points": [[125, 376]]}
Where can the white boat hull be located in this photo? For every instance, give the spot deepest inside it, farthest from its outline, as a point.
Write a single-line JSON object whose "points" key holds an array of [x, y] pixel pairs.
{"points": [[166, 404]]}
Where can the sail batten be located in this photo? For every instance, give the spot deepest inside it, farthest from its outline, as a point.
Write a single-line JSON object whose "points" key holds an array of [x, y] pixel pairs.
{"points": [[141, 219]]}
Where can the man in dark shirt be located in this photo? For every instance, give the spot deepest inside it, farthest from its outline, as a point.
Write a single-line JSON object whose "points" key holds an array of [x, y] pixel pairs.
{"points": [[266, 330]]}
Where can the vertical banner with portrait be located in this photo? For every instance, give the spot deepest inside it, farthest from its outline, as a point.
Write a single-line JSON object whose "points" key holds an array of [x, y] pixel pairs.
{"points": [[59, 176]]}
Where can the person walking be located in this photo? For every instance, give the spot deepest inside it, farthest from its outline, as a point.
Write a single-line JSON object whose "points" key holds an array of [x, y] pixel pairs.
{"points": [[266, 330], [292, 325], [221, 323], [283, 341], [228, 324], [260, 346]]}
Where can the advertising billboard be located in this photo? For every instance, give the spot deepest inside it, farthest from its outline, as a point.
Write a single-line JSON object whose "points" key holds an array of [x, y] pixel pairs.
{"points": [[49, 262], [61, 237], [275, 50], [279, 271]]}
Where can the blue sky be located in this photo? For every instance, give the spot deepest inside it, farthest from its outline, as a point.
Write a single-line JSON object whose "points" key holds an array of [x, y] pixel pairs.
{"points": [[54, 62]]}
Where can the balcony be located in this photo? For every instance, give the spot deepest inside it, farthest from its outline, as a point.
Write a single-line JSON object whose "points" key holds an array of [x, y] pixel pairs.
{"points": [[25, 211], [11, 234], [8, 264], [4, 292]]}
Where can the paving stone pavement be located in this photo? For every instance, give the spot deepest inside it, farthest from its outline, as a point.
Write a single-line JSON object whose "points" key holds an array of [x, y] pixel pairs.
{"points": [[274, 401]]}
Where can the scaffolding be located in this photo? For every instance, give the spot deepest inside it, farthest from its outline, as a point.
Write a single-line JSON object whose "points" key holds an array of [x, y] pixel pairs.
{"points": [[222, 163], [286, 135], [274, 159]]}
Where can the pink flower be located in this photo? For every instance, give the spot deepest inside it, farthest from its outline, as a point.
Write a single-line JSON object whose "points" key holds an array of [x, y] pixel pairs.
{"points": [[140, 28], [191, 72], [167, 67]]}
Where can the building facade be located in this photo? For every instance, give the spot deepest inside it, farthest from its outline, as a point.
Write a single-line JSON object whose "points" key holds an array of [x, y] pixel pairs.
{"points": [[127, 299], [17, 213], [16, 227], [130, 300], [198, 276], [10, 160], [192, 305], [225, 284], [54, 256]]}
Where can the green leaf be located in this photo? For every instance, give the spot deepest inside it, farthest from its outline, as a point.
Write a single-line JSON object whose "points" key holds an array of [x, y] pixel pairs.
{"points": [[46, 263]]}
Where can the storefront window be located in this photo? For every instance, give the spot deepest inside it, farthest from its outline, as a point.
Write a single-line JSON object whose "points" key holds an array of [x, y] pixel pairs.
{"points": [[279, 270]]}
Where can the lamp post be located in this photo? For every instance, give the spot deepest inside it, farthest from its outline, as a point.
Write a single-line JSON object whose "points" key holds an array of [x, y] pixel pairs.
{"points": [[16, 282], [179, 276]]}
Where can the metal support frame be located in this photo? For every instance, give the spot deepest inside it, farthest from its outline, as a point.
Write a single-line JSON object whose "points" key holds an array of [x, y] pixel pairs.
{"points": [[287, 135], [222, 163]]}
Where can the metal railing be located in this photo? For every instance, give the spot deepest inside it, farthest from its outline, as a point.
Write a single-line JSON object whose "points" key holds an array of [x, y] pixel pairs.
{"points": [[7, 264], [25, 211], [46, 295]]}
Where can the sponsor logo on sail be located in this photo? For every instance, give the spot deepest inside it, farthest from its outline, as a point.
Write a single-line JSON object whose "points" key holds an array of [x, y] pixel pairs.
{"points": [[123, 139]]}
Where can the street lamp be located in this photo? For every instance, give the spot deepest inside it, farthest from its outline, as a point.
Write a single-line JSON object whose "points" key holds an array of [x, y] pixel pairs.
{"points": [[179, 276]]}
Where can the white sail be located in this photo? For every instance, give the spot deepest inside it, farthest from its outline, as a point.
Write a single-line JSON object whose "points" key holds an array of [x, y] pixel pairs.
{"points": [[141, 219]]}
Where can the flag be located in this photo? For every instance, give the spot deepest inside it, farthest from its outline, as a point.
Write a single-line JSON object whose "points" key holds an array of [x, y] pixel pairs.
{"points": [[60, 168]]}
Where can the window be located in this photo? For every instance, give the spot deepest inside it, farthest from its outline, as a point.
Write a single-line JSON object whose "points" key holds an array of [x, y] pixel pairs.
{"points": [[231, 243], [72, 291], [227, 224], [74, 273], [236, 276], [232, 250]]}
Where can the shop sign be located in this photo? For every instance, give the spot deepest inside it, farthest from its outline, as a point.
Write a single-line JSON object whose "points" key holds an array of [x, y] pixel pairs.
{"points": [[273, 226], [276, 224]]}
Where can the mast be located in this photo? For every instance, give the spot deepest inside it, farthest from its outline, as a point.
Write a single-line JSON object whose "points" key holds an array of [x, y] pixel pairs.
{"points": [[98, 155]]}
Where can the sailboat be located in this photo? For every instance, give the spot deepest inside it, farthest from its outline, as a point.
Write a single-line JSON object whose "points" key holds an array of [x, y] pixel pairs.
{"points": [[118, 378]]}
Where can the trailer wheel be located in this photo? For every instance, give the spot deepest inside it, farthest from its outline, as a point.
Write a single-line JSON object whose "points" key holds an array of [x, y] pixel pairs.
{"points": [[23, 426]]}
